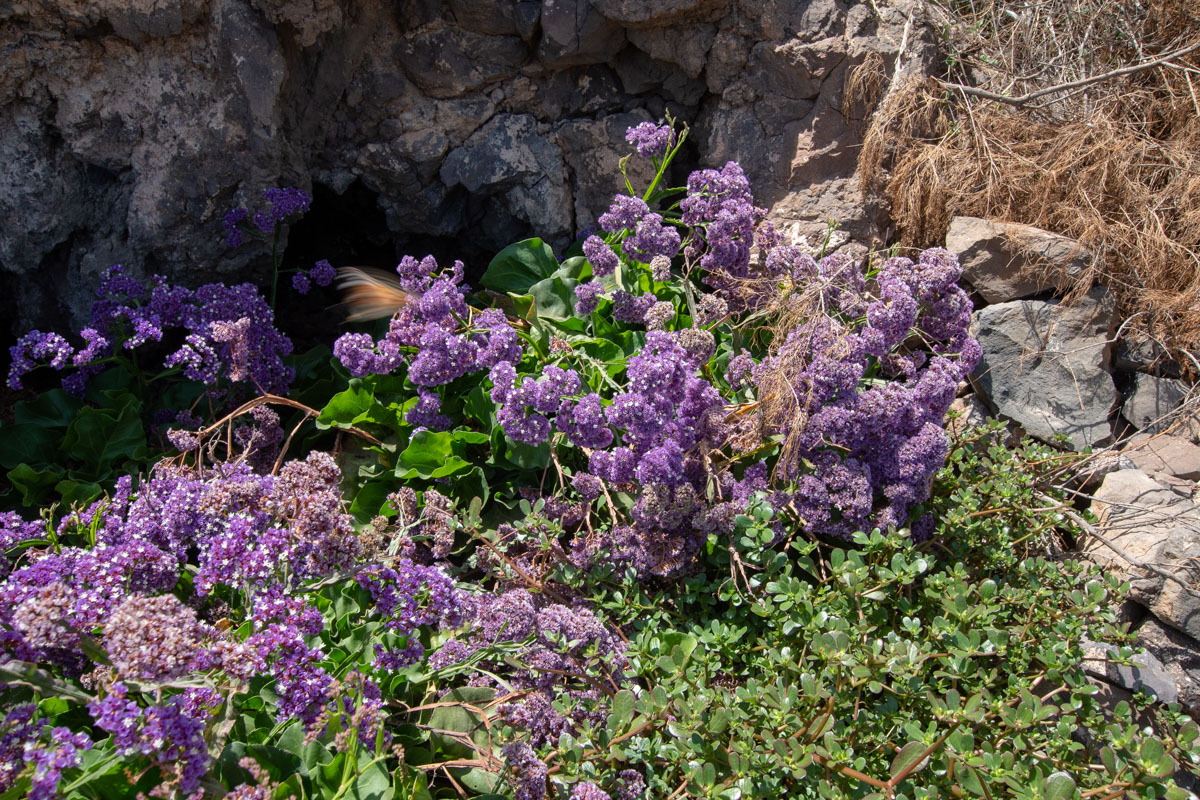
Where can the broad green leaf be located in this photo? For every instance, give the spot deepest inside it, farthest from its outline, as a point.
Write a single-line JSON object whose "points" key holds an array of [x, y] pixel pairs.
{"points": [[370, 498], [78, 493], [478, 780], [478, 406], [554, 299], [54, 409], [527, 456], [909, 756], [519, 266], [1060, 786], [99, 437], [33, 483], [575, 267], [374, 782], [427, 453], [345, 406], [623, 705], [27, 443], [459, 719]]}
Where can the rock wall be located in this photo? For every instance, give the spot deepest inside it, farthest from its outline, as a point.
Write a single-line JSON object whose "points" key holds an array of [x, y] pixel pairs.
{"points": [[128, 127]]}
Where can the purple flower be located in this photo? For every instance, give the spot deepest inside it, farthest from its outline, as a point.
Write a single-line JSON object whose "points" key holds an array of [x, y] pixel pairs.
{"points": [[631, 308], [587, 297], [624, 213], [301, 283], [583, 422], [323, 273], [531, 773], [35, 347], [651, 239], [356, 352], [587, 485], [424, 414], [154, 638], [586, 790], [232, 226], [662, 464], [650, 139], [602, 258], [287, 201], [97, 347], [169, 733], [62, 752]]}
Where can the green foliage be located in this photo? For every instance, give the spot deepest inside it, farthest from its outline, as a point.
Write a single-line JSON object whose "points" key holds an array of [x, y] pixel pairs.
{"points": [[888, 670]]}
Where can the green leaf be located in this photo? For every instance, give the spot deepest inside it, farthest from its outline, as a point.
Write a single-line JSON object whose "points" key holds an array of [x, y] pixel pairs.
{"points": [[426, 453], [554, 299], [519, 266], [345, 406], [623, 705], [34, 483], [77, 493], [52, 409], [52, 706], [374, 781], [370, 498], [908, 756], [27, 443], [575, 267], [478, 406], [459, 719], [1060, 786], [477, 780], [100, 437], [527, 456]]}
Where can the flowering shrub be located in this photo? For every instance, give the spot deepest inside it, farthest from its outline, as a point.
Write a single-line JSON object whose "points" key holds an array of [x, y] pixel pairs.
{"points": [[657, 519]]}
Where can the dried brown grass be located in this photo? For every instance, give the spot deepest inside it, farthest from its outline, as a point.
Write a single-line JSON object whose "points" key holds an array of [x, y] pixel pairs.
{"points": [[1115, 164]]}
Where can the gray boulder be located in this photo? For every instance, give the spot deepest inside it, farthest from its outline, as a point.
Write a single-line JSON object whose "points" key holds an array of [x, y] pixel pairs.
{"points": [[1144, 672], [1179, 656], [1153, 401], [1156, 526], [1164, 455], [1044, 365], [1006, 261]]}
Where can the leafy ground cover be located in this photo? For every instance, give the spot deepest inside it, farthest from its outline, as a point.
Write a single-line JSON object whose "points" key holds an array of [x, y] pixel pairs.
{"points": [[672, 514]]}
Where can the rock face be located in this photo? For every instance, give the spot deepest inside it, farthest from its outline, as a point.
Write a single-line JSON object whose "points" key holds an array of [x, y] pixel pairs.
{"points": [[1152, 402], [1152, 523], [1044, 365], [128, 127], [1006, 261], [1179, 656], [1164, 455]]}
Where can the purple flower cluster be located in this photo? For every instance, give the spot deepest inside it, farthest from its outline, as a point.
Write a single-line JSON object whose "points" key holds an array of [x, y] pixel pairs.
{"points": [[530, 771], [228, 331], [525, 407], [651, 140], [587, 297], [720, 209], [281, 623], [407, 596], [649, 237], [26, 743], [13, 530], [873, 446], [586, 790], [438, 326], [170, 734], [47, 602], [322, 275], [566, 651], [281, 204]]}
